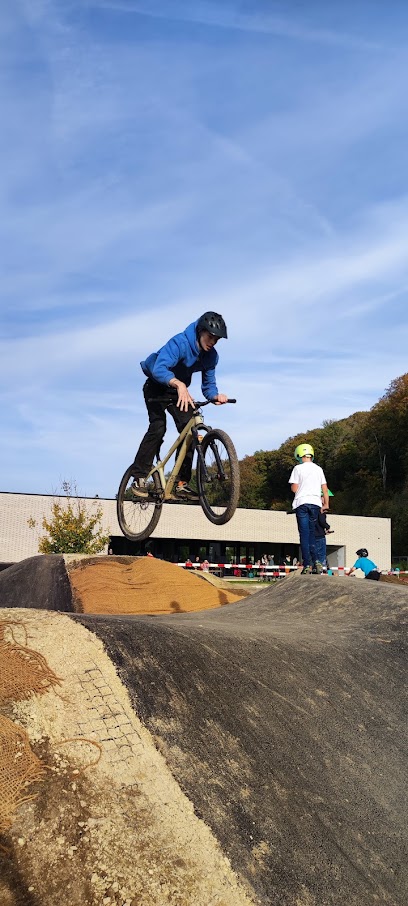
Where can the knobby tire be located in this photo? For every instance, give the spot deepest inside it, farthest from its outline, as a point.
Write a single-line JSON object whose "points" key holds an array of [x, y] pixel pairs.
{"points": [[137, 518], [218, 497]]}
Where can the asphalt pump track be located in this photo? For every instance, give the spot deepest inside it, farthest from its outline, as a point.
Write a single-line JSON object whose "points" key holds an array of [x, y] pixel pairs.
{"points": [[283, 720]]}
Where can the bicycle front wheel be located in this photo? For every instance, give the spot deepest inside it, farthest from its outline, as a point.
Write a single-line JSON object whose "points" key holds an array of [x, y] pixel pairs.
{"points": [[218, 477], [137, 517]]}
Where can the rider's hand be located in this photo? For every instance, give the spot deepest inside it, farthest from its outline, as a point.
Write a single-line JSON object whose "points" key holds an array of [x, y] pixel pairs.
{"points": [[184, 398], [220, 399]]}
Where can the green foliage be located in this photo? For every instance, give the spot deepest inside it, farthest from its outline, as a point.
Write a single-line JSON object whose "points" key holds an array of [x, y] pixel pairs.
{"points": [[252, 472], [365, 459], [73, 528]]}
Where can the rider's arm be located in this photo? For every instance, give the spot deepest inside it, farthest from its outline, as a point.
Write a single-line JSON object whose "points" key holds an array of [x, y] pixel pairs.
{"points": [[162, 368], [353, 569], [208, 382]]}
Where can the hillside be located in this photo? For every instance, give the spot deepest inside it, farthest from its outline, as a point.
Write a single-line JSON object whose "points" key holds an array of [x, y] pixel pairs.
{"points": [[365, 459]]}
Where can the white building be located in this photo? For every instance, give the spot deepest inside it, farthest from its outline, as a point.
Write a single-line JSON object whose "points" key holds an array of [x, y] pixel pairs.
{"points": [[184, 531]]}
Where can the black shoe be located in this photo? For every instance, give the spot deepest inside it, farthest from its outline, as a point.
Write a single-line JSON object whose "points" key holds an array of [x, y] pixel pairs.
{"points": [[139, 489], [184, 491]]}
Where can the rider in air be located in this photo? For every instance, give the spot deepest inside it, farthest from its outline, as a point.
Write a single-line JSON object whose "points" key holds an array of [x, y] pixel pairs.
{"points": [[169, 372]]}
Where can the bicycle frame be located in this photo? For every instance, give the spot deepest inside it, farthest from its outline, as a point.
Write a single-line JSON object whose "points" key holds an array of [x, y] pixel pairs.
{"points": [[187, 436], [217, 462]]}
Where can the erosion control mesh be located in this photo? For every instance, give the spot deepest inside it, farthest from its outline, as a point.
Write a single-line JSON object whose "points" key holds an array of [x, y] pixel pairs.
{"points": [[22, 673], [19, 767]]}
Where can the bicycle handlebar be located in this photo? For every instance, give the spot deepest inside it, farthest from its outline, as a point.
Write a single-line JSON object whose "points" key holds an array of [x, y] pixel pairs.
{"points": [[200, 403], [197, 405]]}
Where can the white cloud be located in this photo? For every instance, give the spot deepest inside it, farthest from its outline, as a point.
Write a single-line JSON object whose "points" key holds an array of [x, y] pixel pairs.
{"points": [[343, 283]]}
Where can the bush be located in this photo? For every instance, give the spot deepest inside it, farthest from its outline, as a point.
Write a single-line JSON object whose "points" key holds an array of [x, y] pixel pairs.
{"points": [[73, 528]]}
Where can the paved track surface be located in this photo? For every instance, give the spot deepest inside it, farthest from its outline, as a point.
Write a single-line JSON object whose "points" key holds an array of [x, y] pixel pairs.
{"points": [[283, 718]]}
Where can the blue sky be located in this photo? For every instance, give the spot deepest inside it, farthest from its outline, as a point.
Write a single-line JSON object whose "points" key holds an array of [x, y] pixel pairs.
{"points": [[158, 159]]}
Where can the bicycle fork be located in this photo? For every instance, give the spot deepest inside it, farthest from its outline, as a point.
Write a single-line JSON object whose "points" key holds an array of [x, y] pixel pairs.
{"points": [[197, 444], [220, 469]]}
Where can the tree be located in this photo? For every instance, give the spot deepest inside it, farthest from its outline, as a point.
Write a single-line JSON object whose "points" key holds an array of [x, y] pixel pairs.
{"points": [[73, 528], [252, 480]]}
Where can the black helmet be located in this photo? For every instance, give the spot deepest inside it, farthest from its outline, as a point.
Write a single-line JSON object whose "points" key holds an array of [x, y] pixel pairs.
{"points": [[214, 323], [362, 552]]}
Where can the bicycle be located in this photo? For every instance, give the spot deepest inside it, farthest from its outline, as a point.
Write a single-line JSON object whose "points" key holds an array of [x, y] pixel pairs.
{"points": [[217, 474]]}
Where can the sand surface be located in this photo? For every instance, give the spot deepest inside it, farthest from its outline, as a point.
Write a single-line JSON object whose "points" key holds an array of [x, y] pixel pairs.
{"points": [[127, 585]]}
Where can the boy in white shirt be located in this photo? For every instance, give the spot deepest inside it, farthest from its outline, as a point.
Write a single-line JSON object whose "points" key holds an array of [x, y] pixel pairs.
{"points": [[309, 485]]}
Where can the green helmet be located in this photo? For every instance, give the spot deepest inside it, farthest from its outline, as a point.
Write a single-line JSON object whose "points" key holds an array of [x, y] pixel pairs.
{"points": [[303, 450]]}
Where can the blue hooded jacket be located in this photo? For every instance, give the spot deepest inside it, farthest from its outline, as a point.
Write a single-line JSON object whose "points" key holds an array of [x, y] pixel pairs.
{"points": [[180, 358]]}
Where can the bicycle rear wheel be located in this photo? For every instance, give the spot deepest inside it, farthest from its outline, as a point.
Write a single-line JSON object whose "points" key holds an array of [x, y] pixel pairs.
{"points": [[137, 517], [218, 479]]}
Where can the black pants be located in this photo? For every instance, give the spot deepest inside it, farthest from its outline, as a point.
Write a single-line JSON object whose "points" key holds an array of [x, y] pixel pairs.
{"points": [[374, 574], [158, 399]]}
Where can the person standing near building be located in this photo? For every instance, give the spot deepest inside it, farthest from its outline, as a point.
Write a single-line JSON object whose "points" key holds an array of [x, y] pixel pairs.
{"points": [[308, 483]]}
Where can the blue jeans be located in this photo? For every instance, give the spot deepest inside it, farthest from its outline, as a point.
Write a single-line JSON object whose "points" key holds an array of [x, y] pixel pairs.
{"points": [[306, 515], [320, 545]]}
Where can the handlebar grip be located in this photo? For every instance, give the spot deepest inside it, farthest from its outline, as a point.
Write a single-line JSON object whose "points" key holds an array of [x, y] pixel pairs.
{"points": [[231, 401]]}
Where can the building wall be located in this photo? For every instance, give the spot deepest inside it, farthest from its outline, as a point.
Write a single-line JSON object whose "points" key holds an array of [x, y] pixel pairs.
{"points": [[18, 540]]}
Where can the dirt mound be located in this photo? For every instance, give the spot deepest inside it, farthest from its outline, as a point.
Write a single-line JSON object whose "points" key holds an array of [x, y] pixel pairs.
{"points": [[103, 821], [111, 585], [275, 726], [40, 582], [395, 580], [128, 585], [283, 718]]}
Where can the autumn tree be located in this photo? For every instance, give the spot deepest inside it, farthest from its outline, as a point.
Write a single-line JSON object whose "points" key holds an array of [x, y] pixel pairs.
{"points": [[364, 457], [252, 472], [74, 526]]}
